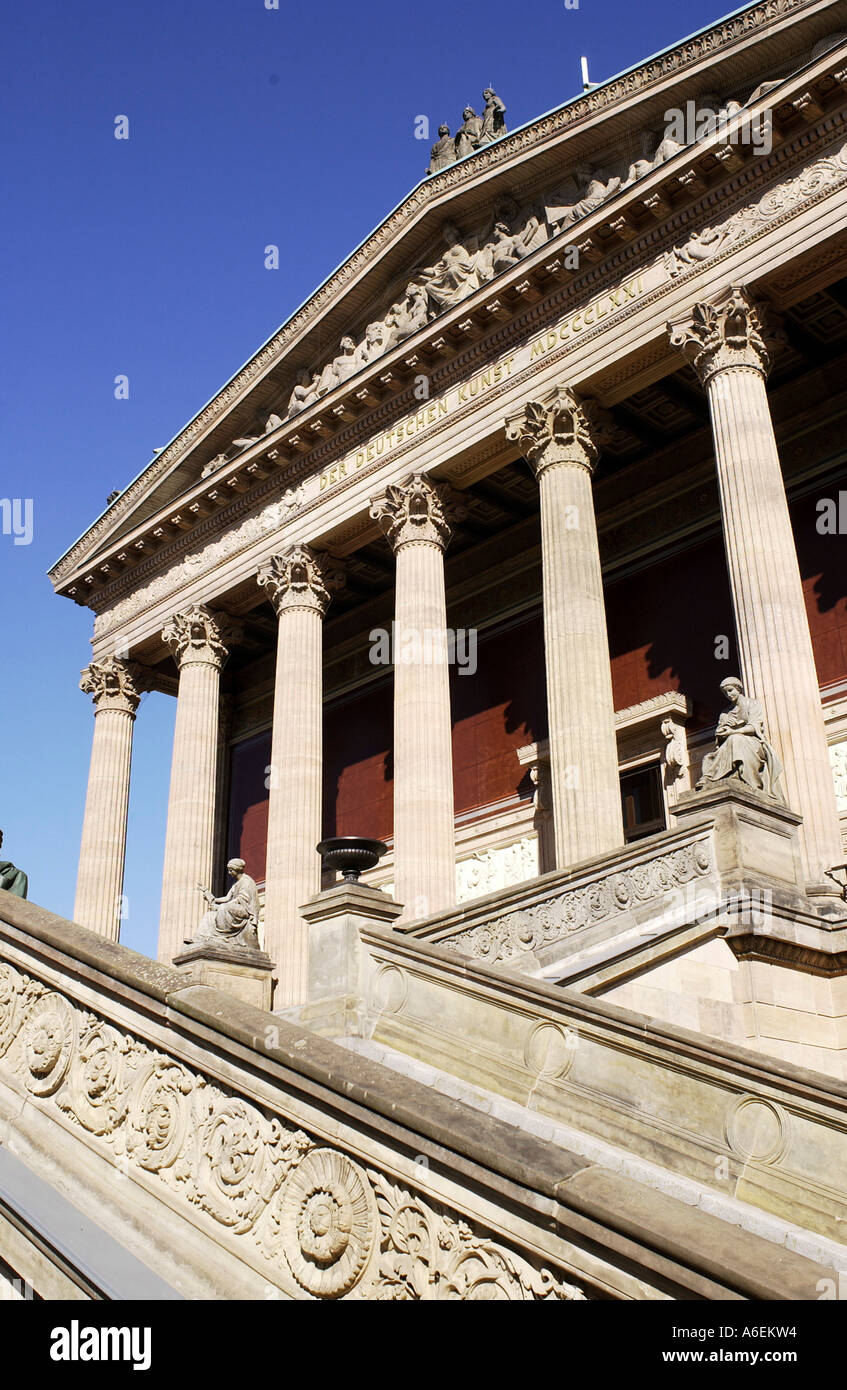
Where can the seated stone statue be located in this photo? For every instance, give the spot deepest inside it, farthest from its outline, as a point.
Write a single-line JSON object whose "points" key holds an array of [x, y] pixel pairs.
{"points": [[232, 920], [742, 752], [12, 879]]}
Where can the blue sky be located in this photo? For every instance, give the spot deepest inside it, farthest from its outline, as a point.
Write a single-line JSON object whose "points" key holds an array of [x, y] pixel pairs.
{"points": [[144, 257]]}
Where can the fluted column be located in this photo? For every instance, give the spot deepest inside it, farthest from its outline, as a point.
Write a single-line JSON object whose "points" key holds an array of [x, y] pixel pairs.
{"points": [[196, 638], [725, 342], [99, 885], [297, 583], [555, 434], [414, 519]]}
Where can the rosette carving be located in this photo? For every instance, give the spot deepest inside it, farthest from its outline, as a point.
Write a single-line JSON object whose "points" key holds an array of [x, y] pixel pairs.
{"points": [[327, 1223], [49, 1037]]}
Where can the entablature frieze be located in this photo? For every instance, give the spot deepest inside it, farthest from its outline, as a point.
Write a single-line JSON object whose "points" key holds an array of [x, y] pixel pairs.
{"points": [[618, 235], [317, 505]]}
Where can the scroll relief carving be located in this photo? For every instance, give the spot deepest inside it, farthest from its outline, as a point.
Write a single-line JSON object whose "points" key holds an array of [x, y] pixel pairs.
{"points": [[556, 918], [320, 1224]]}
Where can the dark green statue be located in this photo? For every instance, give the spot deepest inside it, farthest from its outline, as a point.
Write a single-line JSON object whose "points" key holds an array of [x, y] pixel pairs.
{"points": [[12, 879]]}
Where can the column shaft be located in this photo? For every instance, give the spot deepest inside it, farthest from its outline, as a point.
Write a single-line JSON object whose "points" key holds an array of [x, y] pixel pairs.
{"points": [[583, 748], [293, 872], [775, 646], [197, 640], [424, 839], [189, 840], [296, 583], [99, 889], [725, 340], [556, 432]]}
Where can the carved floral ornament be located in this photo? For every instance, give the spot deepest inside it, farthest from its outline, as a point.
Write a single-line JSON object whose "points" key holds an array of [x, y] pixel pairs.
{"points": [[113, 685], [555, 428], [317, 1223], [417, 513], [301, 578], [725, 335], [198, 637]]}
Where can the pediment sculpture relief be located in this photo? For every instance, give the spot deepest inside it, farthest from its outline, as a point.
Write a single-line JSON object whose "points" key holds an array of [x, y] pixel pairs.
{"points": [[467, 261]]}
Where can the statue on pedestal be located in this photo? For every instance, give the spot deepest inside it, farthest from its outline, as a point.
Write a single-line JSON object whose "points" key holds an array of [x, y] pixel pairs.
{"points": [[742, 752], [12, 879], [232, 920]]}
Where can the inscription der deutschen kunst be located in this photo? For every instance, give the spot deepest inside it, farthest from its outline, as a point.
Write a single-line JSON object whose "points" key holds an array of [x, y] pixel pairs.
{"points": [[414, 425]]}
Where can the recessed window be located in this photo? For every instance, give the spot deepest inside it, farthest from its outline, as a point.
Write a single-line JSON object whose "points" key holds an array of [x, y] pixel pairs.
{"points": [[642, 802]]}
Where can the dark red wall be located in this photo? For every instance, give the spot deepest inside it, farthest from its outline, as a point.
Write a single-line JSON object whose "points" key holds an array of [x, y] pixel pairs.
{"points": [[663, 624], [823, 566], [248, 803]]}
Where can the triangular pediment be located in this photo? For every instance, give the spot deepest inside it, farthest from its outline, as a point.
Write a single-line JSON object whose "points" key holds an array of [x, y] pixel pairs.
{"points": [[460, 231]]}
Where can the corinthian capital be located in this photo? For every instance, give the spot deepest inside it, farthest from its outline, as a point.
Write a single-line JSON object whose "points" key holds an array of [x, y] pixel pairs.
{"points": [[198, 637], [416, 513], [300, 578], [112, 685], [723, 336], [555, 428]]}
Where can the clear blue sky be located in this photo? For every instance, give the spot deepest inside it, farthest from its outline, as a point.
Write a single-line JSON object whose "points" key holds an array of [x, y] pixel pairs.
{"points": [[248, 126]]}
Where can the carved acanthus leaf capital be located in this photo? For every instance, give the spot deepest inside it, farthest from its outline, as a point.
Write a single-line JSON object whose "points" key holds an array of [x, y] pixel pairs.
{"points": [[727, 334], [417, 512], [113, 685], [300, 578], [199, 637], [555, 428]]}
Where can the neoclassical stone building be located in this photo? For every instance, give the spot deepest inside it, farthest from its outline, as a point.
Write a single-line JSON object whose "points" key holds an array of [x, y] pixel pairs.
{"points": [[471, 585]]}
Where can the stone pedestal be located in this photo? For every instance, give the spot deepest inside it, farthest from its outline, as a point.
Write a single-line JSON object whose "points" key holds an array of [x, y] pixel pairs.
{"points": [[414, 519], [336, 957], [197, 640], [99, 885], [556, 436], [725, 342], [244, 973], [296, 584], [756, 840]]}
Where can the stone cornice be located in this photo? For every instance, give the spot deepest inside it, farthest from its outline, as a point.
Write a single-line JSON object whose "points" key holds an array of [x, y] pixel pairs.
{"points": [[756, 22]]}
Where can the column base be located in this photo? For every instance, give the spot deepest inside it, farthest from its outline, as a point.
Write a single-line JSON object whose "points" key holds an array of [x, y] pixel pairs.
{"points": [[247, 974]]}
